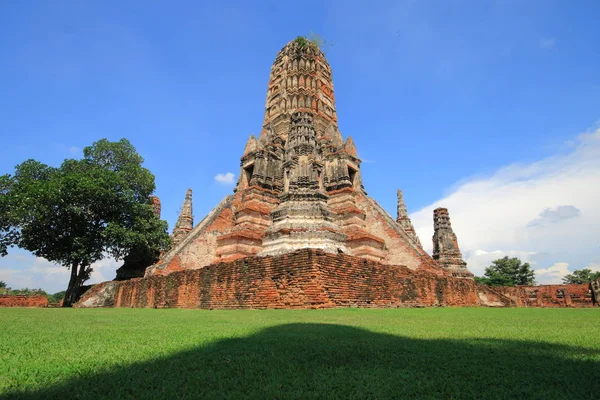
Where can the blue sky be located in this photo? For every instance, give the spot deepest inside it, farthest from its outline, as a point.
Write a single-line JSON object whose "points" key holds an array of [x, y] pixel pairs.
{"points": [[441, 98]]}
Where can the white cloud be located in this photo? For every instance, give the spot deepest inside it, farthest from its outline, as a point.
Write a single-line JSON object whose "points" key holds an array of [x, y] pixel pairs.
{"points": [[21, 269], [547, 43], [226, 178], [492, 216], [552, 274]]}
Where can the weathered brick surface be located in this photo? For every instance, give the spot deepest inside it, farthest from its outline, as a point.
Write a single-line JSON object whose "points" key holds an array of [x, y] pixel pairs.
{"points": [[23, 301], [572, 295], [302, 279]]}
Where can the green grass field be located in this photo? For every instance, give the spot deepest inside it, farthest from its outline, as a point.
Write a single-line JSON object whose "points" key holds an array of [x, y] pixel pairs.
{"points": [[279, 354]]}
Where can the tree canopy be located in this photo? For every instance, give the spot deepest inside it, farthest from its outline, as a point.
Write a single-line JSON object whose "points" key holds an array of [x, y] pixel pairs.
{"points": [[581, 276], [508, 272], [82, 211]]}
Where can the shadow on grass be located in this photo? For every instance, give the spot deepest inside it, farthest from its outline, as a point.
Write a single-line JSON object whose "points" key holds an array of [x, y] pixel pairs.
{"points": [[336, 361]]}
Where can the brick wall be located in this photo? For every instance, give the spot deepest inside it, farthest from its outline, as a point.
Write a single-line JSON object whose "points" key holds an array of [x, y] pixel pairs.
{"points": [[23, 301], [572, 295], [303, 279]]}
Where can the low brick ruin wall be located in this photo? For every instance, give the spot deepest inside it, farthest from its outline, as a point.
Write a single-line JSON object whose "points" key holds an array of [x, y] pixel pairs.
{"points": [[572, 295], [23, 301], [304, 279]]}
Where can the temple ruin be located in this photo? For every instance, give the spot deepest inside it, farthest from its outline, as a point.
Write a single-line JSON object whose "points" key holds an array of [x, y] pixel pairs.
{"points": [[299, 229], [299, 187]]}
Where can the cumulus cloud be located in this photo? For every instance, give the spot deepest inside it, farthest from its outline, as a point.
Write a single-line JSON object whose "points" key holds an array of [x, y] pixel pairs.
{"points": [[552, 274], [546, 212], [226, 178], [21, 269], [547, 43], [555, 215]]}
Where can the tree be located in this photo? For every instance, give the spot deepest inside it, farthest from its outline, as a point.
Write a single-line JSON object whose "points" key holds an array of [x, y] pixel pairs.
{"points": [[8, 232], [2, 285], [56, 297], [581, 276], [82, 211], [507, 272]]}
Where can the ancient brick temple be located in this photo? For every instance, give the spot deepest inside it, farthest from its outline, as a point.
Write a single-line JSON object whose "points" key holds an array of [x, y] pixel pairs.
{"points": [[300, 187], [299, 229]]}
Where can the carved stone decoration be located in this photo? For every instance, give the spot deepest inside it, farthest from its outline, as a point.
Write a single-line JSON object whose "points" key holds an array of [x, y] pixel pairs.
{"points": [[302, 218], [404, 221], [445, 246], [185, 222]]}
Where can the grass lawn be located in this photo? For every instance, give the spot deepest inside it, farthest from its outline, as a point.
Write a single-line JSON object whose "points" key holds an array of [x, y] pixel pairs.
{"points": [[280, 354]]}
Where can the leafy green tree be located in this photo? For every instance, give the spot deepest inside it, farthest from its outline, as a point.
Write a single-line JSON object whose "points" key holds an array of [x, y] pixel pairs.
{"points": [[482, 280], [56, 297], [507, 272], [4, 289], [82, 211], [8, 232], [581, 276]]}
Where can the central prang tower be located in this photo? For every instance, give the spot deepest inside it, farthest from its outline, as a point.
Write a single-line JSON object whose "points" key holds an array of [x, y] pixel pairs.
{"points": [[301, 81], [300, 84], [299, 186]]}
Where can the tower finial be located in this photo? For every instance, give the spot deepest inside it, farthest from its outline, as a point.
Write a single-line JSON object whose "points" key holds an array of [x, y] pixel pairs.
{"points": [[185, 222], [401, 206], [404, 221], [300, 81]]}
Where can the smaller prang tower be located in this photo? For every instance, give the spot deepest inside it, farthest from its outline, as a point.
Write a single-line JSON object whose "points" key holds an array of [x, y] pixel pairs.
{"points": [[445, 246], [404, 221], [185, 222]]}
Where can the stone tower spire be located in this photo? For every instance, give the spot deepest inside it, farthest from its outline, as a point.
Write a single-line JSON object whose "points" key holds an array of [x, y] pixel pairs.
{"points": [[302, 218], [300, 81], [185, 222], [404, 221], [445, 245]]}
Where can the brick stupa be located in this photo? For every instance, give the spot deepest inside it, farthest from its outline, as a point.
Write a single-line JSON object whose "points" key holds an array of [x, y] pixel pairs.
{"points": [[299, 230], [299, 185]]}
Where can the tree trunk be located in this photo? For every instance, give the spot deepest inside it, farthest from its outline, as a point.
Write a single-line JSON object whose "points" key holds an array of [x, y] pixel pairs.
{"points": [[71, 293]]}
